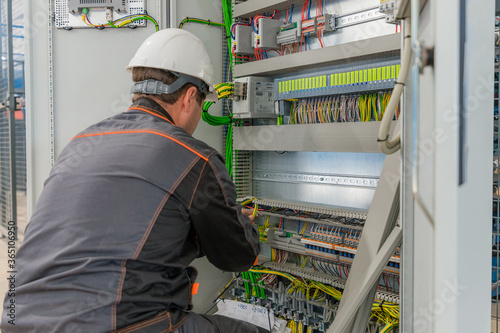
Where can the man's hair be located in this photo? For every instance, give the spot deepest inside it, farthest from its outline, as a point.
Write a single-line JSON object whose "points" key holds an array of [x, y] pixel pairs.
{"points": [[145, 73]]}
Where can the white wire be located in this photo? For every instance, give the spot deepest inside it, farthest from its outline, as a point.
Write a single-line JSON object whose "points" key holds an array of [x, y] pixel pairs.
{"points": [[391, 145]]}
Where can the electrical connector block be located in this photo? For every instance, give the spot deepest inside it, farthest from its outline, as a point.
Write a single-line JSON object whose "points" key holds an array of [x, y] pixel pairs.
{"points": [[313, 26], [289, 33], [280, 233], [240, 91], [396, 10]]}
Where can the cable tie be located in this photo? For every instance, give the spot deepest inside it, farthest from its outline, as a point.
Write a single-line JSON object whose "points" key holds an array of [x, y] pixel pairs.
{"points": [[381, 306], [209, 22], [408, 36], [401, 83]]}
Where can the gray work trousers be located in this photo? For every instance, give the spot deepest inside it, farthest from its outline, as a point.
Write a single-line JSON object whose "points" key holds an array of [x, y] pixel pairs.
{"points": [[196, 323]]}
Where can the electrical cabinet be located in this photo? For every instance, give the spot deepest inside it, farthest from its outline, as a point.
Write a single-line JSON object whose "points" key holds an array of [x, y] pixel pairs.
{"points": [[309, 164]]}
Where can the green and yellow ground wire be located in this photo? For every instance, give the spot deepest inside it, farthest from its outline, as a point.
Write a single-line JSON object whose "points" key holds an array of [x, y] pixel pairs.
{"points": [[200, 21], [121, 22], [224, 90], [384, 312]]}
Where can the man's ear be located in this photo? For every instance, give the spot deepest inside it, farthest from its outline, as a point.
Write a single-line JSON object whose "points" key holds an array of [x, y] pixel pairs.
{"points": [[188, 97]]}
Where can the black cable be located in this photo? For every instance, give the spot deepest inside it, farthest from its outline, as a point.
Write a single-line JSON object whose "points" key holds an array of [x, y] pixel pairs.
{"points": [[211, 307], [381, 306], [226, 288]]}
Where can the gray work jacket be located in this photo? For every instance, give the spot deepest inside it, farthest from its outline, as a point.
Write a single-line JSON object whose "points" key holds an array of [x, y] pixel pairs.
{"points": [[129, 204]]}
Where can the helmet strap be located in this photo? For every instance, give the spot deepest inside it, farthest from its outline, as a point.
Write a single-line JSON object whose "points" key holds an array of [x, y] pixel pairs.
{"points": [[154, 87]]}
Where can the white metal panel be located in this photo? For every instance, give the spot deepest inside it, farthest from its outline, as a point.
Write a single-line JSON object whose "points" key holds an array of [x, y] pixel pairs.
{"points": [[475, 196], [452, 266], [37, 119], [422, 247]]}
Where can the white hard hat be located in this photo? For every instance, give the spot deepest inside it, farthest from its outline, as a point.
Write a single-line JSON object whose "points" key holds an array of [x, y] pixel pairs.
{"points": [[177, 51]]}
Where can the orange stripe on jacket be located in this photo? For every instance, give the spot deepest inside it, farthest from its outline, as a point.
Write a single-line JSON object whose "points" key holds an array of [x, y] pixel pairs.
{"points": [[144, 131], [153, 113]]}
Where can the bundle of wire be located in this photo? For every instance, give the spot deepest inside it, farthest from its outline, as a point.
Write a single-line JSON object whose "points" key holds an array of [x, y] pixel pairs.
{"points": [[119, 22], [382, 312], [339, 109], [224, 90], [227, 11]]}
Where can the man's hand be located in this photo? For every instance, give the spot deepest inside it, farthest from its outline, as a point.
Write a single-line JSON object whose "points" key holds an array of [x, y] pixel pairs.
{"points": [[249, 213]]}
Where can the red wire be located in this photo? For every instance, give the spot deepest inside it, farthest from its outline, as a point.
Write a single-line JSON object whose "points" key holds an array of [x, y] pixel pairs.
{"points": [[256, 18], [234, 26], [317, 8], [240, 57], [304, 9], [319, 37], [287, 14], [274, 51]]}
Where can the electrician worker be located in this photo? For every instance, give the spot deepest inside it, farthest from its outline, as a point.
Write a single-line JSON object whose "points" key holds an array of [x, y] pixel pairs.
{"points": [[129, 204]]}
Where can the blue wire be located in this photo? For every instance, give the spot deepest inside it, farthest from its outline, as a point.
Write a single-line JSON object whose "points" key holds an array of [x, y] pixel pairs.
{"points": [[309, 10], [298, 228], [231, 31], [253, 27], [291, 13]]}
